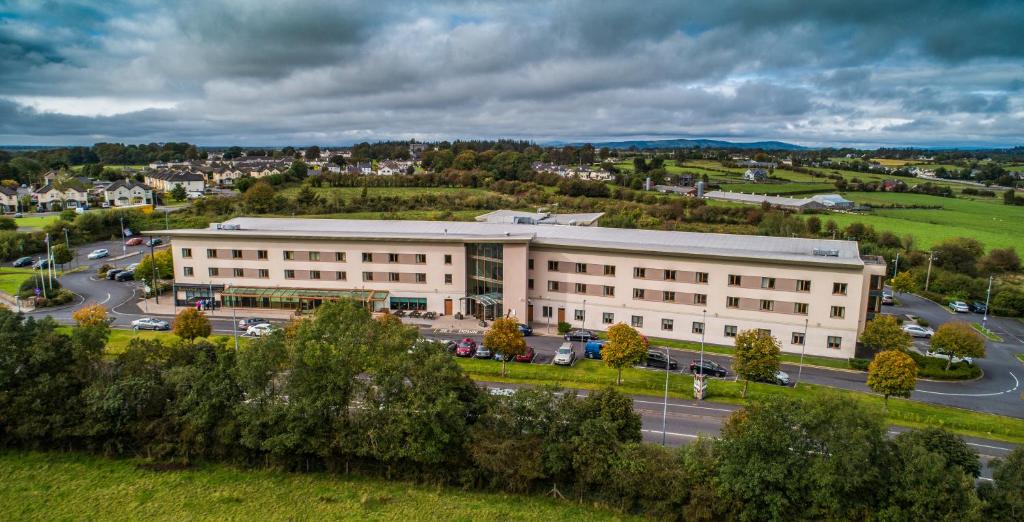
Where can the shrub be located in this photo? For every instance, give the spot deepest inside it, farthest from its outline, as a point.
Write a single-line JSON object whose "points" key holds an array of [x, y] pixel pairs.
{"points": [[63, 296], [935, 368], [28, 287], [564, 327], [921, 321], [857, 363]]}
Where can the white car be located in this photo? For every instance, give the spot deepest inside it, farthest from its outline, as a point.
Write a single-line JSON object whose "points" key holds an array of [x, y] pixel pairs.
{"points": [[918, 331], [150, 323], [959, 307], [131, 267], [259, 330], [565, 355], [98, 253], [941, 355]]}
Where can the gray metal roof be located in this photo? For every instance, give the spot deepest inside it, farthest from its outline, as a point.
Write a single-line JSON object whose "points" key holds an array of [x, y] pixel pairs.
{"points": [[758, 248], [540, 218]]}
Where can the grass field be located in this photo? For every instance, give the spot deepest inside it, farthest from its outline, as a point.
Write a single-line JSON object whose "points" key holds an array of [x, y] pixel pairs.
{"points": [[352, 192], [68, 486], [11, 278], [778, 188], [425, 215], [35, 221]]}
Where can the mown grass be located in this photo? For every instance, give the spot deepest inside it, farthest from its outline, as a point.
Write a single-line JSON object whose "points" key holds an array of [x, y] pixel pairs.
{"points": [[989, 334], [353, 192], [11, 278], [827, 362], [587, 374], [422, 215], [35, 221], [120, 338], [68, 486]]}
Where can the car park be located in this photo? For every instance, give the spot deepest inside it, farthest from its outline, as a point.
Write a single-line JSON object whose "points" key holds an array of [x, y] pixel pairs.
{"points": [[23, 261], [580, 334], [565, 355], [959, 307], [466, 348], [135, 241], [483, 352], [658, 359], [918, 331], [154, 242], [944, 356], [150, 323], [112, 273], [526, 356], [525, 329], [592, 350], [887, 298], [978, 307], [124, 275], [708, 367], [98, 253], [259, 330]]}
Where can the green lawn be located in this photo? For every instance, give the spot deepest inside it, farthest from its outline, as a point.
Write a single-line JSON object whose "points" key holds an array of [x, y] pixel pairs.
{"points": [[35, 221], [778, 188], [424, 215], [352, 192], [11, 278], [987, 333], [69, 486]]}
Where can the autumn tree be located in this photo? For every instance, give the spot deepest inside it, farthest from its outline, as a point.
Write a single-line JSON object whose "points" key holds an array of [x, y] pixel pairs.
{"points": [[957, 339], [625, 347], [892, 373], [93, 315], [757, 357], [884, 333], [191, 323], [902, 283], [505, 339], [259, 197], [164, 261]]}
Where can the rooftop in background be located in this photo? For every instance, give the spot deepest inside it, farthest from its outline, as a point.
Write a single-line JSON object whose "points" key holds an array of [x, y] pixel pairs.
{"points": [[781, 250], [517, 217]]}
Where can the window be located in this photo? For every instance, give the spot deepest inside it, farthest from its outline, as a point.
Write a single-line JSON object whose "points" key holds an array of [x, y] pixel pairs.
{"points": [[314, 274], [552, 266], [609, 291], [666, 324], [289, 274], [553, 286], [448, 280], [768, 283], [607, 318], [545, 311], [700, 299], [214, 272], [367, 257], [803, 285], [732, 302], [186, 252], [735, 280], [834, 342], [448, 260], [394, 276], [392, 258], [339, 257], [314, 256], [697, 328], [577, 315], [340, 276], [800, 308], [421, 258], [289, 255], [638, 293], [838, 312], [421, 277], [261, 254], [702, 277], [609, 270], [581, 288], [529, 282], [839, 288], [581, 268], [767, 305], [239, 272], [263, 273], [797, 338], [188, 271], [367, 276], [211, 253], [639, 273], [668, 296], [670, 275], [636, 321], [730, 330]]}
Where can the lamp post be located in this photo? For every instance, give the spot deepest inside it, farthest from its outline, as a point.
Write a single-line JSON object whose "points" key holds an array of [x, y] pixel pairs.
{"points": [[988, 294], [928, 277], [896, 267], [124, 247], [803, 347]]}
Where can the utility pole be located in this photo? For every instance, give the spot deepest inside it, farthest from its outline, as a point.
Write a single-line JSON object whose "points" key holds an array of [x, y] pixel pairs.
{"points": [[928, 278], [803, 347], [896, 267], [988, 294]]}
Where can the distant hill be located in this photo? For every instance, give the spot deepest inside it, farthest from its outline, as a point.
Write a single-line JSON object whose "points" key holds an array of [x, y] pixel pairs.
{"points": [[689, 144]]}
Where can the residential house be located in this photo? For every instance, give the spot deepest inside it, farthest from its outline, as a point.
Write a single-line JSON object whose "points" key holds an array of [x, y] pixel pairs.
{"points": [[127, 192], [8, 199], [166, 180], [756, 175], [63, 193]]}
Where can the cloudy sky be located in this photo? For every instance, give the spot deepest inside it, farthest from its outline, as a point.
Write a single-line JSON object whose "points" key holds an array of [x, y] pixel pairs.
{"points": [[246, 72]]}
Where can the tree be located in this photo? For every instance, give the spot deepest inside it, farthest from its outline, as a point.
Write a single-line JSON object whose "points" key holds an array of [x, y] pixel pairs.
{"points": [[191, 323], [259, 197], [625, 347], [61, 254], [505, 339], [814, 225], [892, 373], [312, 153], [757, 357], [1000, 260], [8, 223], [959, 456], [957, 339], [1004, 496], [959, 254], [178, 192], [92, 315], [884, 333], [902, 282], [164, 261], [921, 486]]}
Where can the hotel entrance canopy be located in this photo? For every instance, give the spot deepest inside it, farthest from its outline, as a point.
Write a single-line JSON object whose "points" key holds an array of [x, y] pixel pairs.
{"points": [[492, 298]]}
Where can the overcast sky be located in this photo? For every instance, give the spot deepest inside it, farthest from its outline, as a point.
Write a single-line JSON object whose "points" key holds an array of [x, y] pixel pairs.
{"points": [[246, 72]]}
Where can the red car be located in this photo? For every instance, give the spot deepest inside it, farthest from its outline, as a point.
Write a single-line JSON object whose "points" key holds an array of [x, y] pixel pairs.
{"points": [[526, 357], [135, 241], [466, 348]]}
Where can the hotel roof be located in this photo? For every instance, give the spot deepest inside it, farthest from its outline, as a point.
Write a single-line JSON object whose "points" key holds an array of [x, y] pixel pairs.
{"points": [[689, 244]]}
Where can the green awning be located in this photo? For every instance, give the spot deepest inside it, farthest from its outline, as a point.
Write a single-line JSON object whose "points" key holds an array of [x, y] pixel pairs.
{"points": [[305, 293], [492, 298]]}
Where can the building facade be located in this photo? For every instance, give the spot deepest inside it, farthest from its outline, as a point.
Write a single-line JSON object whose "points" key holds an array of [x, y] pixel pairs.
{"points": [[677, 285]]}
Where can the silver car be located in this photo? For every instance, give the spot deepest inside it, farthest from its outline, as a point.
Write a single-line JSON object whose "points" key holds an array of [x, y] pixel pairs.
{"points": [[565, 355], [917, 331], [150, 323]]}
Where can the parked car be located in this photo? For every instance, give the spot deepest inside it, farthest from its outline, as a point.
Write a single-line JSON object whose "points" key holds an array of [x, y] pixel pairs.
{"points": [[483, 352], [959, 307], [23, 261], [154, 242], [132, 267], [450, 346], [708, 367], [978, 307], [918, 331], [527, 356], [658, 359], [112, 273], [244, 324], [940, 355], [150, 323], [580, 334], [466, 348], [525, 330], [41, 264], [887, 298], [125, 275], [18, 215], [592, 350], [565, 355], [782, 378], [259, 330], [98, 253], [135, 241]]}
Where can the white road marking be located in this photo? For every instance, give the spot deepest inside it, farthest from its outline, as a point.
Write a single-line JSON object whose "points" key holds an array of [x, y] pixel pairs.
{"points": [[684, 406], [105, 300], [1016, 384], [674, 434]]}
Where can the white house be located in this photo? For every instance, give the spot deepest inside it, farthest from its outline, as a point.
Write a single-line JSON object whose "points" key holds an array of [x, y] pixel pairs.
{"points": [[124, 193], [166, 180], [68, 193], [8, 199], [756, 175]]}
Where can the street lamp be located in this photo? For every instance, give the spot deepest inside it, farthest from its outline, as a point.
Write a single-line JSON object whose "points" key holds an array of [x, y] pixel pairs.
{"points": [[928, 277], [988, 294]]}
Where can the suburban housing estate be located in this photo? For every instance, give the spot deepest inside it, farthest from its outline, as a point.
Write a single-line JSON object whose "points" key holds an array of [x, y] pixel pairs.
{"points": [[679, 285]]}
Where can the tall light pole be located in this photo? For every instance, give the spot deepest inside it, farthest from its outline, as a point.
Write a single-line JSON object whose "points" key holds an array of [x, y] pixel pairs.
{"points": [[896, 267], [124, 248], [988, 294], [803, 348], [928, 278]]}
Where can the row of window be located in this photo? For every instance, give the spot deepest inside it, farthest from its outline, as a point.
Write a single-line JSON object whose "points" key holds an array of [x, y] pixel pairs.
{"points": [[289, 255], [263, 273]]}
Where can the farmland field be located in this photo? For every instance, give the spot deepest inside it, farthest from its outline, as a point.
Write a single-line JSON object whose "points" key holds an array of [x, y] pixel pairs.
{"points": [[352, 192]]}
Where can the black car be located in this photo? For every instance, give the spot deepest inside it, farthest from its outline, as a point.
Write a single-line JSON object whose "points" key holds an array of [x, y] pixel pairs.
{"points": [[658, 360], [978, 307], [112, 273], [125, 275], [23, 261], [708, 368], [580, 335], [154, 242]]}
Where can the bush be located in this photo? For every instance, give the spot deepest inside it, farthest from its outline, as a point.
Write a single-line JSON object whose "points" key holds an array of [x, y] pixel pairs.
{"points": [[564, 327], [28, 287], [921, 321], [935, 368], [857, 363], [63, 296], [104, 268]]}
